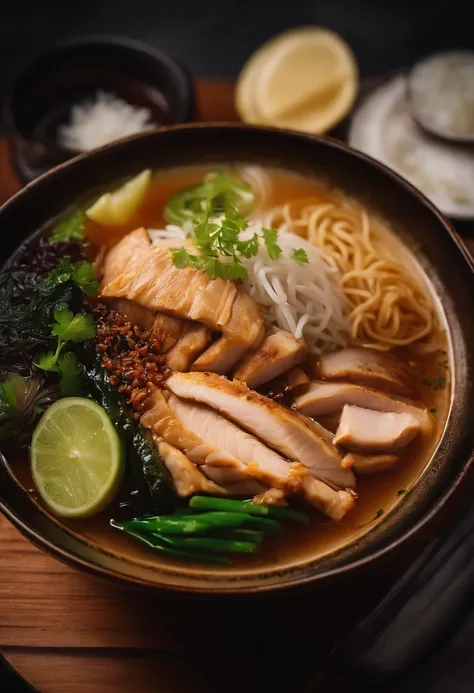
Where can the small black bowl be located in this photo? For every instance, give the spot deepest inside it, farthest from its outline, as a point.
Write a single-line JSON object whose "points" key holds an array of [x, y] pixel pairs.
{"points": [[41, 97]]}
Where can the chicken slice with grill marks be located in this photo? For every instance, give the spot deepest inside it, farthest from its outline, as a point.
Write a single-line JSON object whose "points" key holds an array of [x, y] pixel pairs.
{"points": [[261, 462], [290, 433]]}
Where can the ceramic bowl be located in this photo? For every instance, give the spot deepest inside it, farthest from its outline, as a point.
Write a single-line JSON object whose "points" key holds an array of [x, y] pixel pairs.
{"points": [[41, 97], [422, 227]]}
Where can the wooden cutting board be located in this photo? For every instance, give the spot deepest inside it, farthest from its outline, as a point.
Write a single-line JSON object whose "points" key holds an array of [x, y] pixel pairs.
{"points": [[67, 632]]}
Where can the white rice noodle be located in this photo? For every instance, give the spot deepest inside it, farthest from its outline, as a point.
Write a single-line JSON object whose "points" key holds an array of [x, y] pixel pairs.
{"points": [[260, 183], [305, 300]]}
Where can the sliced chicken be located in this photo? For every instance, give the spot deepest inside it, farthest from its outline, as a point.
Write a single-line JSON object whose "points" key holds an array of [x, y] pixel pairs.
{"points": [[272, 496], [366, 430], [218, 465], [191, 343], [262, 463], [324, 398], [133, 246], [143, 273], [367, 367], [278, 353], [167, 330], [369, 464], [290, 433], [221, 356], [294, 382], [187, 478]]}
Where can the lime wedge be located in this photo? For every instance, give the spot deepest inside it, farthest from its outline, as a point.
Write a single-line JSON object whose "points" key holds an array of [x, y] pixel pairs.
{"points": [[116, 208], [77, 459]]}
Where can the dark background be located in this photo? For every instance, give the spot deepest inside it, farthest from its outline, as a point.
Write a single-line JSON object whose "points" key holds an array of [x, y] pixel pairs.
{"points": [[213, 38]]}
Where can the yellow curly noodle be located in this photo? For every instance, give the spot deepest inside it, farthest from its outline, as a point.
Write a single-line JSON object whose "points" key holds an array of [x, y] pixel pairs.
{"points": [[389, 307]]}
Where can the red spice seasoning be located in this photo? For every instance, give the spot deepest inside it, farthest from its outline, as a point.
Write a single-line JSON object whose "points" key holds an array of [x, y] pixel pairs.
{"points": [[131, 357]]}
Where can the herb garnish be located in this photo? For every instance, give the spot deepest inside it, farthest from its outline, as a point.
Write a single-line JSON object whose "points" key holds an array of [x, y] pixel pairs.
{"points": [[433, 410], [80, 273], [69, 229], [401, 492], [67, 328], [214, 208], [300, 256], [379, 512]]}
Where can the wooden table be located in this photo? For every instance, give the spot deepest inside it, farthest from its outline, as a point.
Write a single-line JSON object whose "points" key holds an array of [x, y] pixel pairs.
{"points": [[67, 632]]}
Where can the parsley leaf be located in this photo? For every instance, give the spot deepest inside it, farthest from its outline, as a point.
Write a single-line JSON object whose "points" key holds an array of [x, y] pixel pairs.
{"points": [[81, 273], [69, 229], [270, 239], [48, 361], [70, 374], [300, 256], [74, 328]]}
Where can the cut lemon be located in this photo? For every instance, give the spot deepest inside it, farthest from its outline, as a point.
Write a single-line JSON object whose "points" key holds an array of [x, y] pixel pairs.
{"points": [[77, 459], [117, 208], [305, 79]]}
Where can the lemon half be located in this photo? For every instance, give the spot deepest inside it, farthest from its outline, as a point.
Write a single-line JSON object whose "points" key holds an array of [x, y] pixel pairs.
{"points": [[305, 79]]}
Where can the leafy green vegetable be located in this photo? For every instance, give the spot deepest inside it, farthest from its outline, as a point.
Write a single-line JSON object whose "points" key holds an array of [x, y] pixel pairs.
{"points": [[72, 328], [214, 210], [270, 238], [156, 491], [70, 371], [22, 400], [216, 191], [80, 273], [69, 229], [67, 328], [300, 256]]}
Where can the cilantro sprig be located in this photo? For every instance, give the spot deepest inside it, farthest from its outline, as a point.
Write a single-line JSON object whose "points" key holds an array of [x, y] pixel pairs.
{"points": [[80, 273], [69, 229], [218, 222], [67, 327]]}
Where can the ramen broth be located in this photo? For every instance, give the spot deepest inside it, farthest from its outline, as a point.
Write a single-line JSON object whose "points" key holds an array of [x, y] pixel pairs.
{"points": [[377, 494]]}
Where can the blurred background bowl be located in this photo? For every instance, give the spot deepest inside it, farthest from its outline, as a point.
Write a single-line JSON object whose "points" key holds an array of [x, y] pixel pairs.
{"points": [[42, 95]]}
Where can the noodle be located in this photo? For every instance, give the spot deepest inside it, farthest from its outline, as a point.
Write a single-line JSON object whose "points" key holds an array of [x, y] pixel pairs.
{"points": [[388, 306]]}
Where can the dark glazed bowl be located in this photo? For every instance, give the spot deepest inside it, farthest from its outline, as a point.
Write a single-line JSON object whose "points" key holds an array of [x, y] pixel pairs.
{"points": [[422, 228], [42, 95]]}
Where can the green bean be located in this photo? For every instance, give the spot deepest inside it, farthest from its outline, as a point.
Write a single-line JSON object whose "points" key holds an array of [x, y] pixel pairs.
{"points": [[210, 544], [200, 524], [168, 549], [226, 505]]}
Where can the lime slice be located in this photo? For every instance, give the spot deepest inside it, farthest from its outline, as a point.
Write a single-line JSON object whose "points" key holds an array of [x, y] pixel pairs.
{"points": [[117, 208], [77, 459]]}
